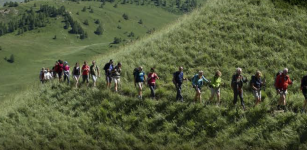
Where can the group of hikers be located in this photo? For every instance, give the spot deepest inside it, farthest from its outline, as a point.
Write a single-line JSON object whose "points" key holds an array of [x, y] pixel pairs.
{"points": [[113, 73]]}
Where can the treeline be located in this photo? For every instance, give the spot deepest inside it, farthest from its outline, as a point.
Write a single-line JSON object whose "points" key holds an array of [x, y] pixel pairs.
{"points": [[171, 5], [76, 28], [10, 4], [31, 20]]}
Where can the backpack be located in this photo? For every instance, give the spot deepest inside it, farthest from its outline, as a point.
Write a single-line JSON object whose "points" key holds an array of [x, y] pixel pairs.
{"points": [[135, 72], [251, 82], [106, 66], [277, 74]]}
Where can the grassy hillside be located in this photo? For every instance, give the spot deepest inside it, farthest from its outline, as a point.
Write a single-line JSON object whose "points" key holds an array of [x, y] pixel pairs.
{"points": [[37, 48], [223, 35]]}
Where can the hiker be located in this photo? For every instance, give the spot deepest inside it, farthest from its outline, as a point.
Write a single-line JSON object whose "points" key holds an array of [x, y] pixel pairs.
{"points": [[42, 76], [178, 80], [85, 73], [116, 75], [60, 70], [76, 73], [108, 67], [66, 72], [94, 72], [47, 75], [237, 86], [198, 82], [55, 69], [256, 84], [304, 90], [282, 82], [139, 78], [215, 86], [152, 76]]}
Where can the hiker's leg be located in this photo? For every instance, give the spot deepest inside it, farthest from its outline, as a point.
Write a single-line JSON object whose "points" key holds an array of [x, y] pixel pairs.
{"points": [[152, 90], [212, 94], [218, 96], [241, 98], [235, 96]]}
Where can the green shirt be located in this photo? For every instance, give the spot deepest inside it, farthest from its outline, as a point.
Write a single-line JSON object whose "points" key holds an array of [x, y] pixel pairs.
{"points": [[216, 82]]}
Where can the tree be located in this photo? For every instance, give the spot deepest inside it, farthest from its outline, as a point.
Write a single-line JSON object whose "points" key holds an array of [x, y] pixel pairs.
{"points": [[86, 22], [91, 11], [54, 37], [131, 34], [97, 21], [99, 30], [12, 59], [84, 9], [115, 6], [34, 5], [0, 48], [117, 40], [125, 16], [140, 21], [77, 13], [89, 7]]}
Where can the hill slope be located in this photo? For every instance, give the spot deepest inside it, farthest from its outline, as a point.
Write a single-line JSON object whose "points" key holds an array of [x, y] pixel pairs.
{"points": [[224, 34], [37, 48]]}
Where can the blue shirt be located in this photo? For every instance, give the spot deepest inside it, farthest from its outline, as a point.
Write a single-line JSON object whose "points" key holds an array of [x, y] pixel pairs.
{"points": [[178, 76], [199, 81], [140, 76]]}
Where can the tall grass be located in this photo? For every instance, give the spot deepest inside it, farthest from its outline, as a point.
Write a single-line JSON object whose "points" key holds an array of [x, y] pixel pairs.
{"points": [[223, 35]]}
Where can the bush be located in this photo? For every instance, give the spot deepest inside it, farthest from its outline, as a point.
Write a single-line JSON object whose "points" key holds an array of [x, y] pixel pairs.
{"points": [[125, 16]]}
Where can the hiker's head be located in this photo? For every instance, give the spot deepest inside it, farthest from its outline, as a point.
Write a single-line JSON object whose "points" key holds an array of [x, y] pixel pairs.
{"points": [[218, 73], [111, 61], [152, 69], [85, 63], [119, 64], [77, 64], [181, 68], [65, 63], [239, 71], [93, 62], [200, 73], [43, 69], [285, 71], [258, 74], [140, 68]]}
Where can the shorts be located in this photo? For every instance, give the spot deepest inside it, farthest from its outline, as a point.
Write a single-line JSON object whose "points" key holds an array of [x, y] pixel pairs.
{"points": [[197, 88], [215, 91], [94, 78], [140, 85], [108, 79], [257, 93], [76, 77], [85, 78], [283, 92], [305, 94], [116, 79], [60, 74]]}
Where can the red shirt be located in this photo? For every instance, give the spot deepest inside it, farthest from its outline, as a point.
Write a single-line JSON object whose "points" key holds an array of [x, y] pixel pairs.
{"points": [[152, 78], [60, 67], [282, 82], [85, 70]]}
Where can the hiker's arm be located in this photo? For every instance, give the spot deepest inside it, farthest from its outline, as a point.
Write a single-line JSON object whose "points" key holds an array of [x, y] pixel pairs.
{"points": [[206, 79]]}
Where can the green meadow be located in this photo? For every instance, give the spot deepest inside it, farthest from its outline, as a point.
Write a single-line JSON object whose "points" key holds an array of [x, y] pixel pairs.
{"points": [[37, 48], [221, 35]]}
